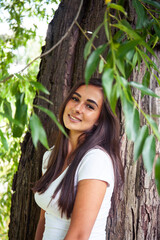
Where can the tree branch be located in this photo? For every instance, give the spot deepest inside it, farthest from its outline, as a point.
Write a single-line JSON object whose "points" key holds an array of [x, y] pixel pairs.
{"points": [[52, 48]]}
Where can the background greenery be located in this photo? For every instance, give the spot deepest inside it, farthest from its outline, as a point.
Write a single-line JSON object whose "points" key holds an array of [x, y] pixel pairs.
{"points": [[23, 27]]}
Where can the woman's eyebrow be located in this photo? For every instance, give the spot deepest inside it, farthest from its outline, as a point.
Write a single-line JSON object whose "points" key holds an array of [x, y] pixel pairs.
{"points": [[89, 100], [77, 94], [92, 101]]}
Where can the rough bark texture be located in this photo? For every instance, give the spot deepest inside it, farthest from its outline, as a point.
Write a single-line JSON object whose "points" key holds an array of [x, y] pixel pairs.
{"points": [[137, 210]]}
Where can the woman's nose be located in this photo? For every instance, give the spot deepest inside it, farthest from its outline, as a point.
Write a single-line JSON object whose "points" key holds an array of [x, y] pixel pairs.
{"points": [[79, 108]]}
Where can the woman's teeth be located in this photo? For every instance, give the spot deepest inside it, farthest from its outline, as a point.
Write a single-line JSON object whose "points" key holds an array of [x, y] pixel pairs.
{"points": [[76, 119]]}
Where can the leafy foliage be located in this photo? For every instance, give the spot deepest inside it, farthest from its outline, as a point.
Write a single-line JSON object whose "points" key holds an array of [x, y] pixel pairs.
{"points": [[126, 49], [8, 167], [17, 47], [17, 14]]}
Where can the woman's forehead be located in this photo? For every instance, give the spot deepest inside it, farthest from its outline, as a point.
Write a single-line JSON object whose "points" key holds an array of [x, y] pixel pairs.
{"points": [[89, 90]]}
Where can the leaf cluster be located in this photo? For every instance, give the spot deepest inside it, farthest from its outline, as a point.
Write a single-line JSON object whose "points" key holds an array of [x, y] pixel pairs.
{"points": [[8, 167], [17, 14], [17, 93], [125, 51]]}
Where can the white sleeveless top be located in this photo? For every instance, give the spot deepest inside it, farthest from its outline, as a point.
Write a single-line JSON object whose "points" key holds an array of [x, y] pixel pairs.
{"points": [[96, 164]]}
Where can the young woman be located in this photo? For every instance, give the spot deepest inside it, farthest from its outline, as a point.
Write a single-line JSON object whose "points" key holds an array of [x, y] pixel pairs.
{"points": [[81, 171]]}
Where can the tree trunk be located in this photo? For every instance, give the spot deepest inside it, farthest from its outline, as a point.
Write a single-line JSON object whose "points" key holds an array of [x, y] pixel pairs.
{"points": [[137, 211]]}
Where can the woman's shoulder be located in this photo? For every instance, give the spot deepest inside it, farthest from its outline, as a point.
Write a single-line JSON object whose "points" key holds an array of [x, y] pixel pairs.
{"points": [[97, 153], [96, 164]]}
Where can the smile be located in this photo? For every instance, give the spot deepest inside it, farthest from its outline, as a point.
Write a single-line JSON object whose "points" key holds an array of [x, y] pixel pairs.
{"points": [[74, 118]]}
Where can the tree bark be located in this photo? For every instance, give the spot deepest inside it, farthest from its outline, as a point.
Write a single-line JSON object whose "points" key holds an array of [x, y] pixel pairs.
{"points": [[137, 211]]}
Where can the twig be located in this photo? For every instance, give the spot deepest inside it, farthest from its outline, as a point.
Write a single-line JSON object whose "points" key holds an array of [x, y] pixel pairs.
{"points": [[89, 40], [52, 48]]}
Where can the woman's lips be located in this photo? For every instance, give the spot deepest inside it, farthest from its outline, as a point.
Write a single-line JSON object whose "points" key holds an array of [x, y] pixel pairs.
{"points": [[74, 119]]}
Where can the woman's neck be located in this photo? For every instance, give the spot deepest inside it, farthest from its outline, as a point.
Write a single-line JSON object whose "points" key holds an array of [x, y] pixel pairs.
{"points": [[71, 147], [72, 143]]}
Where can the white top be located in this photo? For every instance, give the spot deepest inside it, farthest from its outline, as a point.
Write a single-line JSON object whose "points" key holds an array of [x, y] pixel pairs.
{"points": [[96, 164]]}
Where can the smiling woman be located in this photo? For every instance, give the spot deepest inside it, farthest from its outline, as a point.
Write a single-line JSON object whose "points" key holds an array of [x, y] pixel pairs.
{"points": [[83, 110], [80, 172]]}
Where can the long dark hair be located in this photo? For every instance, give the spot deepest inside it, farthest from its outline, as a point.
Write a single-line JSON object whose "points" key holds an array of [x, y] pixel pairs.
{"points": [[104, 135]]}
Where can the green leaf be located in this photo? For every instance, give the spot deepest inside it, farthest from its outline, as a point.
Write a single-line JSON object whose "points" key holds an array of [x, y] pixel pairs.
{"points": [[106, 26], [15, 88], [146, 81], [20, 77], [7, 107], [153, 3], [37, 131], [93, 61], [128, 110], [155, 40], [53, 117], [4, 141], [145, 45], [20, 115], [101, 65], [121, 66], [117, 7], [128, 69], [107, 81], [124, 84], [138, 145], [157, 29], [153, 125], [135, 124], [143, 89], [135, 59], [126, 88], [88, 46], [4, 77], [39, 87], [157, 174], [114, 97], [150, 63], [132, 121], [118, 36], [126, 24], [126, 47], [139, 60], [158, 80], [132, 34], [130, 55], [155, 115], [35, 125], [128, 30], [148, 153], [1, 101], [141, 13]]}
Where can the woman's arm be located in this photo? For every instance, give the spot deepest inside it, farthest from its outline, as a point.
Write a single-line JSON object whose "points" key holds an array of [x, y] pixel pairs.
{"points": [[89, 197], [40, 226]]}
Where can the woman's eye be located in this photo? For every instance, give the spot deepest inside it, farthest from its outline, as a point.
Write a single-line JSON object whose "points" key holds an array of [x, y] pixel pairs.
{"points": [[90, 107], [75, 99]]}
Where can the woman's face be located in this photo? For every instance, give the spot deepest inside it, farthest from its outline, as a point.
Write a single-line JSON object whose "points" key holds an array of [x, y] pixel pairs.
{"points": [[83, 109]]}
